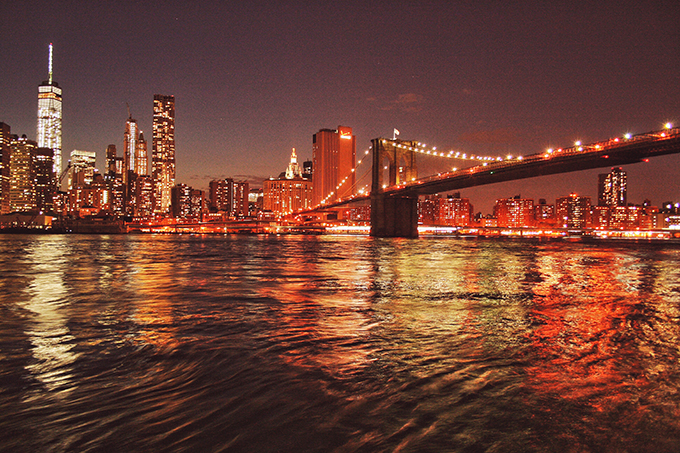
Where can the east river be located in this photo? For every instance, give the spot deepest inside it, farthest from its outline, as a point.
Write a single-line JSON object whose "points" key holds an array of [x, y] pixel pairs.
{"points": [[337, 344]]}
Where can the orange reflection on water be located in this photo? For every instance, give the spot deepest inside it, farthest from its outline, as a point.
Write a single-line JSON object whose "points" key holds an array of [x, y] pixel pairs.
{"points": [[590, 338], [152, 312], [322, 315]]}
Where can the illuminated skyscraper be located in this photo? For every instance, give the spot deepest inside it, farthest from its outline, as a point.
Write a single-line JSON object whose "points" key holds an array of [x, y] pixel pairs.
{"points": [[455, 211], [141, 156], [163, 152], [130, 150], [334, 156], [49, 117], [143, 196]]}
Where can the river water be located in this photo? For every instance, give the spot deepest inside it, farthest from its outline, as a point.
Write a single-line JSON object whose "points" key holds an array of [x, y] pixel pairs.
{"points": [[337, 344]]}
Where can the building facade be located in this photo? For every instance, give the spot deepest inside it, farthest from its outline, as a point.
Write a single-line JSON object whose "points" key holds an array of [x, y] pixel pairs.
{"points": [[333, 163], [82, 162], [455, 211], [143, 197], [451, 210], [188, 204], [45, 181], [229, 197], [5, 151], [544, 213], [515, 212], [612, 189]]}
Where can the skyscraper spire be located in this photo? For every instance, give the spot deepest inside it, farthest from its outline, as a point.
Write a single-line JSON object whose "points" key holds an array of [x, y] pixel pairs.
{"points": [[293, 169], [49, 67]]}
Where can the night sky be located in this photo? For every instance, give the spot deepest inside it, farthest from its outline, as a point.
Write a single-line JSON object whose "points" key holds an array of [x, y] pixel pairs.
{"points": [[253, 79]]}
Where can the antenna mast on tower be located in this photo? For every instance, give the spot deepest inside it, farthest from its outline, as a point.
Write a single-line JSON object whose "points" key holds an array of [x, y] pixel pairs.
{"points": [[49, 65]]}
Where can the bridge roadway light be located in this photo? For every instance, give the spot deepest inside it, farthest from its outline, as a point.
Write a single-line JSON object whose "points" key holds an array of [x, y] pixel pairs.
{"points": [[627, 135], [668, 126]]}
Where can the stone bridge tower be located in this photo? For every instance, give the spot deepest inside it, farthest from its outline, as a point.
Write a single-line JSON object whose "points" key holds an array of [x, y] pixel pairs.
{"points": [[393, 164]]}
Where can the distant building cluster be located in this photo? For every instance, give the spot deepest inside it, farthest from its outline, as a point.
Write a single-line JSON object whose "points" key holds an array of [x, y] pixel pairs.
{"points": [[572, 211], [139, 185]]}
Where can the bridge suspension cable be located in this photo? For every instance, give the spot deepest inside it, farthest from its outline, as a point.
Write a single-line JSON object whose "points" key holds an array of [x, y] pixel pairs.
{"points": [[422, 148], [346, 178]]}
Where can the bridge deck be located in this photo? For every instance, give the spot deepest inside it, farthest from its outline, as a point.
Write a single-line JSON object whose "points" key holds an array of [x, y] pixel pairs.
{"points": [[602, 154]]}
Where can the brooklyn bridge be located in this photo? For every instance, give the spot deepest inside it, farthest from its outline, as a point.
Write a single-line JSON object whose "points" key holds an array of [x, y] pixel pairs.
{"points": [[396, 186]]}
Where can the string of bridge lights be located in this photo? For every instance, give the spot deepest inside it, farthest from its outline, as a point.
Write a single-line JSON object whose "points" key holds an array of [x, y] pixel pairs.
{"points": [[341, 183], [423, 149]]}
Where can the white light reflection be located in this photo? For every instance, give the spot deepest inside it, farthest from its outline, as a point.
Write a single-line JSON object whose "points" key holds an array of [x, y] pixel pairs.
{"points": [[46, 327]]}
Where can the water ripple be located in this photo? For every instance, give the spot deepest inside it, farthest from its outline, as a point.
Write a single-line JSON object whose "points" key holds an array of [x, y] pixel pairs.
{"points": [[343, 344]]}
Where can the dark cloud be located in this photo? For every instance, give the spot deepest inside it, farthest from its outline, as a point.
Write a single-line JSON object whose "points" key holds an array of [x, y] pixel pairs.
{"points": [[408, 103]]}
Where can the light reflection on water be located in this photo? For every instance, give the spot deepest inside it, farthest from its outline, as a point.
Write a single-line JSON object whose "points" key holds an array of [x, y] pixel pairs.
{"points": [[256, 343]]}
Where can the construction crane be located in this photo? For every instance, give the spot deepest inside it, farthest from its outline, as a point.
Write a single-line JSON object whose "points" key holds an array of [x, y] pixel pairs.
{"points": [[63, 173]]}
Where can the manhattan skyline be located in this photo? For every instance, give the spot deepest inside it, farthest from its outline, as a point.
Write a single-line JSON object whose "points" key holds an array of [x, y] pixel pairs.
{"points": [[252, 82]]}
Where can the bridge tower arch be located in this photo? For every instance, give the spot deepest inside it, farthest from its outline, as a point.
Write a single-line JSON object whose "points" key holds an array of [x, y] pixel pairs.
{"points": [[393, 216]]}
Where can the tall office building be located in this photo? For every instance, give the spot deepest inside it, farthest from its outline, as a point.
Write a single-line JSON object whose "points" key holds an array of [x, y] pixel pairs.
{"points": [[22, 175], [130, 150], [111, 159], [612, 188], [5, 142], [45, 181], [113, 178], [163, 151], [143, 197], [334, 157], [49, 116], [181, 201]]}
